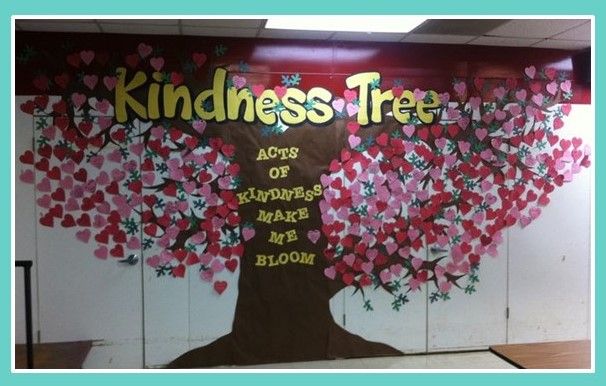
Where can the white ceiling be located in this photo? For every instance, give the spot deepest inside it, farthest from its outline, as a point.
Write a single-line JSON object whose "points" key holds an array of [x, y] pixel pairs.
{"points": [[568, 34]]}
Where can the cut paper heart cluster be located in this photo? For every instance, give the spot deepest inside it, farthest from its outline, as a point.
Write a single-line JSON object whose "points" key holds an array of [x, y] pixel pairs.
{"points": [[167, 193], [453, 186], [190, 209]]}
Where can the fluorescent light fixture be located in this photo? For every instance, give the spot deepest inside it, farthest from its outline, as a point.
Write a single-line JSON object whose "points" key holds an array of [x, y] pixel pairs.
{"points": [[369, 24]]}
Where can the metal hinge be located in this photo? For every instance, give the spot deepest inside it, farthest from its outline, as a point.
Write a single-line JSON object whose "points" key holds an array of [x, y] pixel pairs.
{"points": [[507, 313], [344, 320], [38, 336]]}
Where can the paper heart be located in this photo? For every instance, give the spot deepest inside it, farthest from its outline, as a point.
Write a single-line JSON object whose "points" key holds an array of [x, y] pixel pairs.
{"points": [[144, 50], [338, 104], [464, 146], [460, 88], [409, 130], [349, 259], [44, 201], [354, 141], [83, 235], [97, 161], [110, 82], [419, 95], [330, 272], [133, 243], [352, 109], [137, 148], [101, 252], [90, 81], [27, 176], [475, 102], [157, 63], [499, 92], [313, 236], [258, 89], [240, 81], [385, 276], [199, 126], [248, 233], [538, 99], [530, 71], [44, 185], [220, 286], [552, 88], [198, 238], [350, 95], [280, 91], [367, 267]]}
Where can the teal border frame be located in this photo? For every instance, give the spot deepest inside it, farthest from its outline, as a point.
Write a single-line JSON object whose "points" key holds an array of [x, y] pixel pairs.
{"points": [[9, 8]]}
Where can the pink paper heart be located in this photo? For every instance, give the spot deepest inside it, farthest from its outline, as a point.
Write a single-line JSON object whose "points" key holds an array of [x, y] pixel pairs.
{"points": [[78, 100], [110, 82], [103, 207], [217, 266], [99, 221], [49, 132], [352, 109], [330, 272], [153, 261], [207, 275], [313, 236], [97, 161], [27, 176], [354, 141], [385, 276], [83, 235], [115, 156], [71, 204], [248, 233], [157, 63], [133, 243], [44, 185], [396, 269], [101, 252], [44, 201], [338, 104], [199, 126], [409, 130], [349, 259], [198, 238], [137, 148], [103, 178]]}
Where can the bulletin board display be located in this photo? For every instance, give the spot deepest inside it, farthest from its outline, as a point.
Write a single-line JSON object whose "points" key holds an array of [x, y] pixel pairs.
{"points": [[284, 171]]}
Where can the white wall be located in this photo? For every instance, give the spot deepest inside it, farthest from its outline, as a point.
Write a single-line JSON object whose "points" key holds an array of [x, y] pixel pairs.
{"points": [[550, 260], [25, 224]]}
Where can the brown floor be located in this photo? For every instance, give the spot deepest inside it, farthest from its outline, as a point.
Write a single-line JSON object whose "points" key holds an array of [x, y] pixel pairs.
{"points": [[549, 355], [63, 355]]}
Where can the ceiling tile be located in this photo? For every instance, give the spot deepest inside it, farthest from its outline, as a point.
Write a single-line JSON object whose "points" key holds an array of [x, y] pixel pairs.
{"points": [[294, 34], [535, 28], [217, 31], [232, 23], [563, 44], [503, 41], [368, 37], [140, 29], [473, 27], [140, 21], [58, 25], [439, 39], [582, 32]]}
